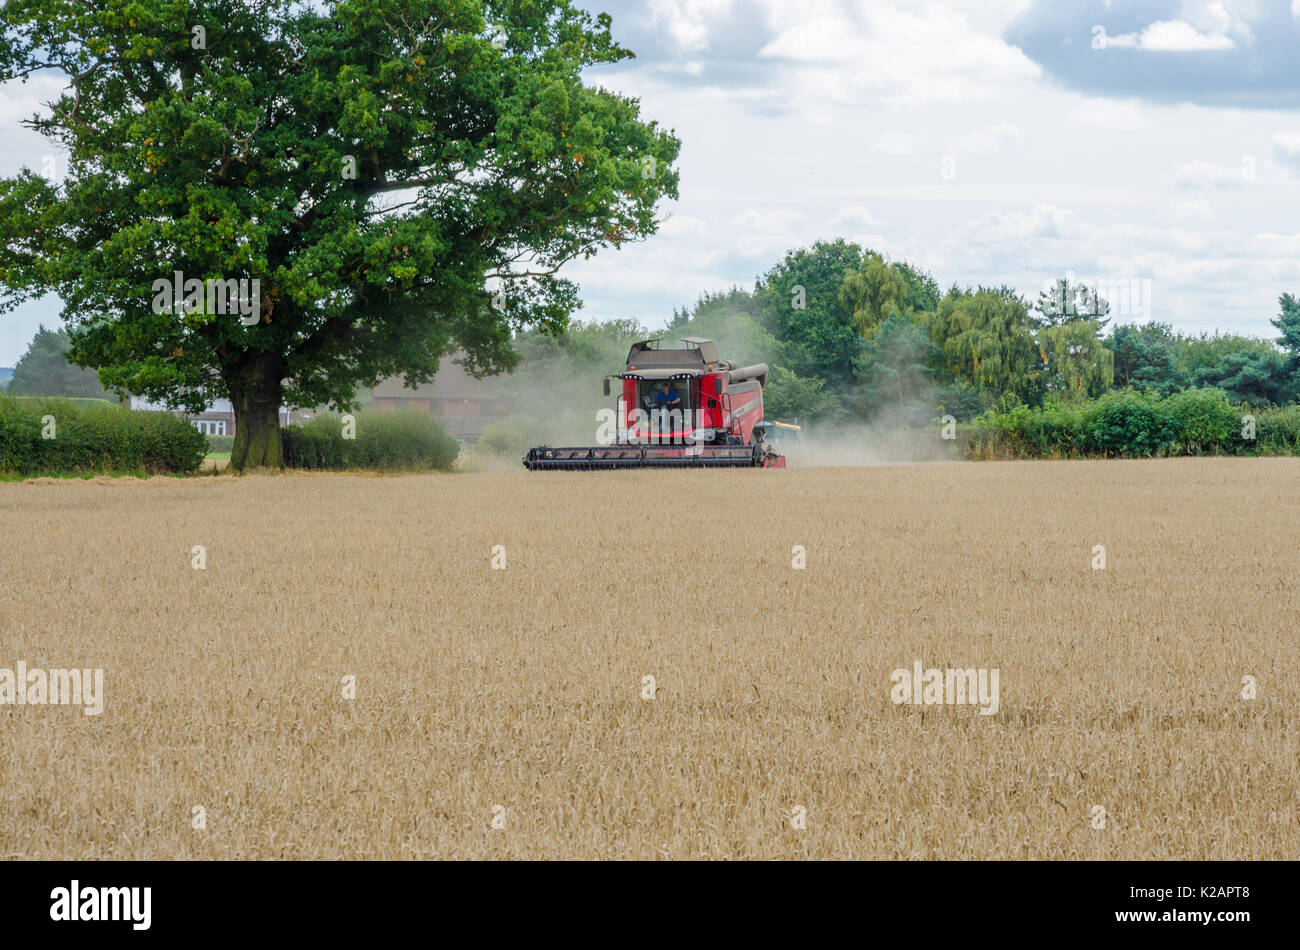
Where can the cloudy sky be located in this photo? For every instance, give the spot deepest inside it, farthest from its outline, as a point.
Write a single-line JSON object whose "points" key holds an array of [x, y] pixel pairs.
{"points": [[989, 141]]}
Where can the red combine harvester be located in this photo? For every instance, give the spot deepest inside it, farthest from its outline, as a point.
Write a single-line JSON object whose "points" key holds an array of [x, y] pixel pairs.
{"points": [[679, 408]]}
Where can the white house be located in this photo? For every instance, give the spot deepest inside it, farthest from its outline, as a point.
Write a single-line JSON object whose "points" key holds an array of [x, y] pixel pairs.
{"points": [[217, 418]]}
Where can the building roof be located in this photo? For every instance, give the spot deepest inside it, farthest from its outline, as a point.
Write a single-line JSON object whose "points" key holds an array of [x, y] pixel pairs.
{"points": [[217, 405], [452, 382]]}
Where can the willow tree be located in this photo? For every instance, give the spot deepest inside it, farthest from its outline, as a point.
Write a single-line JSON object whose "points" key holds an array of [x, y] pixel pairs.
{"points": [[873, 293], [279, 202], [987, 341]]}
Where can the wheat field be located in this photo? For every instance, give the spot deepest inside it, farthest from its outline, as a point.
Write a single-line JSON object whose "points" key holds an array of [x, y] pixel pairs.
{"points": [[503, 711]]}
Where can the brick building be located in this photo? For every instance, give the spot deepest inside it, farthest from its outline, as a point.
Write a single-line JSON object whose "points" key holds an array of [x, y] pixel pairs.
{"points": [[464, 404]]}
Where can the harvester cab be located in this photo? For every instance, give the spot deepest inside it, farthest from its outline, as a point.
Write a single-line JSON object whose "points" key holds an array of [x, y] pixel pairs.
{"points": [[677, 407]]}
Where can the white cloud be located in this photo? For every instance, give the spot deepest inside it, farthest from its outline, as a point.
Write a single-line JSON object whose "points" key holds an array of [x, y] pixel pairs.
{"points": [[1179, 36], [683, 226], [20, 100], [1210, 15], [1208, 30], [765, 233], [900, 143], [1239, 269], [988, 140], [23, 147], [1201, 174], [900, 83], [1286, 147], [1043, 221], [687, 20], [1198, 209], [1105, 186], [857, 55], [1108, 114], [856, 215]]}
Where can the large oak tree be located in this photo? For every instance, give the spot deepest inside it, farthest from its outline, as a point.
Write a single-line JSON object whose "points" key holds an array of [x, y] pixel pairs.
{"points": [[403, 178]]}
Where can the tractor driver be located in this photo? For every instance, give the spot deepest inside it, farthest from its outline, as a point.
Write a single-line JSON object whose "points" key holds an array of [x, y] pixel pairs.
{"points": [[666, 398]]}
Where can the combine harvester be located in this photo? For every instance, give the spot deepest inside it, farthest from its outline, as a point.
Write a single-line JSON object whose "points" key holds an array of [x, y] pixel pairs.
{"points": [[679, 408]]}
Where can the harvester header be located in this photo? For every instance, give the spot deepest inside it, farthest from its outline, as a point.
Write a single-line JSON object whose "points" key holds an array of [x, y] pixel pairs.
{"points": [[677, 407]]}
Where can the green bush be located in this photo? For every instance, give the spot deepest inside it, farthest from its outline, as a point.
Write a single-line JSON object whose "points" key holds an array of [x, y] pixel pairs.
{"points": [[1022, 431], [504, 438], [1203, 420], [1277, 431], [221, 443], [93, 437], [318, 444], [1132, 424], [408, 441], [1128, 423], [1060, 428], [403, 440]]}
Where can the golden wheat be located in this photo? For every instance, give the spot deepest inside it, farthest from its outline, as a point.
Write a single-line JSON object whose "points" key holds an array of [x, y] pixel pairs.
{"points": [[514, 697]]}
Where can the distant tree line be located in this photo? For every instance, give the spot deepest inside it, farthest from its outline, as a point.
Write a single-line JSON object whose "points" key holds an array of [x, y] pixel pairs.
{"points": [[851, 335]]}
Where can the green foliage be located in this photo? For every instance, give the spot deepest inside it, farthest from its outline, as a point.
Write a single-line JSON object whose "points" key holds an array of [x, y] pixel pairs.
{"points": [[557, 388], [220, 443], [873, 293], [880, 289], [1206, 351], [582, 349], [91, 437], [895, 369], [1074, 360], [960, 400], [976, 350], [1144, 357], [384, 441], [922, 294], [1288, 322], [917, 357], [1127, 423], [1030, 432], [987, 340], [1202, 419], [317, 444], [370, 162], [45, 371], [822, 327], [788, 397], [1277, 430], [739, 336], [724, 303], [507, 437], [1257, 378]]}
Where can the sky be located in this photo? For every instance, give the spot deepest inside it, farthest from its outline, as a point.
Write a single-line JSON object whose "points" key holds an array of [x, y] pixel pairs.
{"points": [[1149, 147]]}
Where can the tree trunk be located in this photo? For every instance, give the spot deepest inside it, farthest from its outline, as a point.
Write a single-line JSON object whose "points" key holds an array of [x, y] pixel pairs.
{"points": [[256, 395]]}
